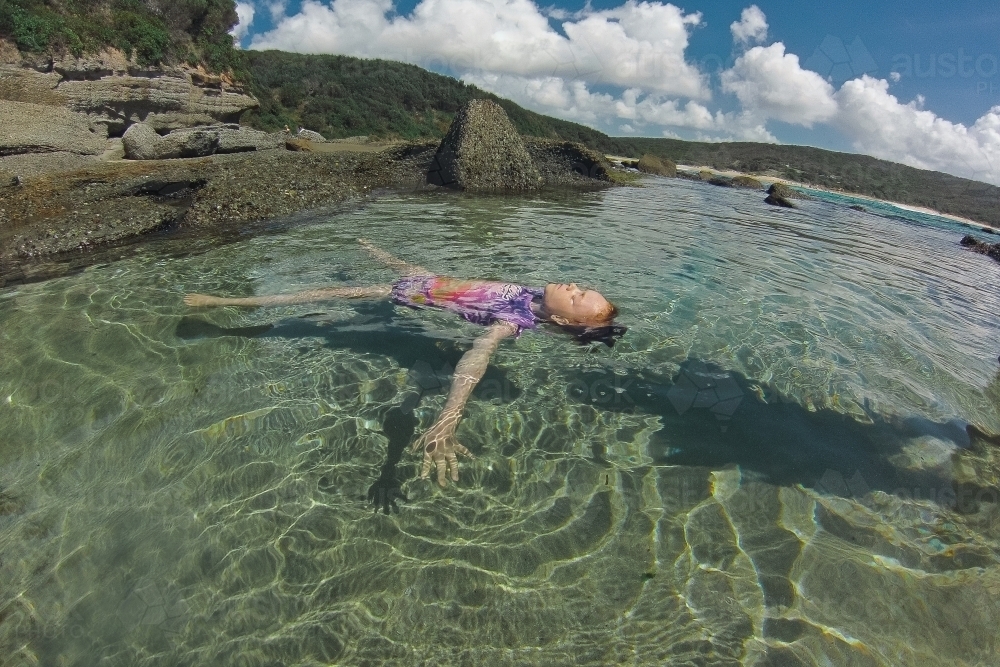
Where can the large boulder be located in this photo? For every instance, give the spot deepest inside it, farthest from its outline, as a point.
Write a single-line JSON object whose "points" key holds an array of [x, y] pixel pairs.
{"points": [[310, 135], [780, 194], [141, 142], [236, 139], [482, 152], [782, 190], [746, 182], [117, 92], [37, 128], [651, 164]]}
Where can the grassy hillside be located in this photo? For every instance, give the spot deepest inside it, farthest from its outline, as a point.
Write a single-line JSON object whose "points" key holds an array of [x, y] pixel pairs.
{"points": [[340, 96], [154, 31]]}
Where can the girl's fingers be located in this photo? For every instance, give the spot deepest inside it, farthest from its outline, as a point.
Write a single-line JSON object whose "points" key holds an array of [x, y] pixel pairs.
{"points": [[462, 450], [425, 469], [453, 464], [442, 469]]}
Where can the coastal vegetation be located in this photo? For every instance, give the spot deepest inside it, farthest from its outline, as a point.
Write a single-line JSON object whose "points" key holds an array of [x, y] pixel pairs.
{"points": [[151, 31], [341, 96]]}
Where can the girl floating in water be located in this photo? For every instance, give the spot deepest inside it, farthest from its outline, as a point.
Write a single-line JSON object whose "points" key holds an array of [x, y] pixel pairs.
{"points": [[505, 308]]}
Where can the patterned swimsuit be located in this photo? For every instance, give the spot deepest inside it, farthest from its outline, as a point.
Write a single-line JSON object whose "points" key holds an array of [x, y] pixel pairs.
{"points": [[477, 301]]}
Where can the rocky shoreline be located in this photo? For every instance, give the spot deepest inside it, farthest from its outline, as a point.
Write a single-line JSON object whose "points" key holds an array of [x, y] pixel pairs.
{"points": [[99, 151], [65, 207]]}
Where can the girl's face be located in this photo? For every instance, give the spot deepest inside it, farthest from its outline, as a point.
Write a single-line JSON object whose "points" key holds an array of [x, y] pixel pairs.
{"points": [[574, 305]]}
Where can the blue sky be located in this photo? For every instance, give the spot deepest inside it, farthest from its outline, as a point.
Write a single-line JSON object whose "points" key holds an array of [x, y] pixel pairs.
{"points": [[913, 82]]}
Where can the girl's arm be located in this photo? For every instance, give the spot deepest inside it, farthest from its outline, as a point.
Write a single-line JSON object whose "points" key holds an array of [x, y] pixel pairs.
{"points": [[394, 263], [369, 292], [439, 443]]}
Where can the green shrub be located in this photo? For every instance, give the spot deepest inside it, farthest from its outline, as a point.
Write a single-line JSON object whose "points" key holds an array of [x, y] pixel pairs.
{"points": [[154, 31], [140, 35]]}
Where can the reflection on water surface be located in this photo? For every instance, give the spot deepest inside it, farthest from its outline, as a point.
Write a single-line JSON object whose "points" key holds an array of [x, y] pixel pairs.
{"points": [[774, 466]]}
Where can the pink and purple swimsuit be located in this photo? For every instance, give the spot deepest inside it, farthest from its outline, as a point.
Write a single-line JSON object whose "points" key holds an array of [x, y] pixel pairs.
{"points": [[477, 301]]}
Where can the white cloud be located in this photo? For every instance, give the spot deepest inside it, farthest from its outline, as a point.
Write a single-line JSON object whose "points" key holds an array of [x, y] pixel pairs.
{"points": [[638, 44], [752, 26], [244, 12], [277, 9], [627, 129], [878, 124], [770, 83], [644, 113]]}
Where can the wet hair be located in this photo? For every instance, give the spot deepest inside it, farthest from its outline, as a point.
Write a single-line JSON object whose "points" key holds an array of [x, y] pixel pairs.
{"points": [[583, 334], [607, 332], [601, 333]]}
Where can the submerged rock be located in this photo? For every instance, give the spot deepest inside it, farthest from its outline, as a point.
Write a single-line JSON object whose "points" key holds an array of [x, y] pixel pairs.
{"points": [[482, 152], [746, 182], [983, 248], [651, 164], [778, 201], [858, 207]]}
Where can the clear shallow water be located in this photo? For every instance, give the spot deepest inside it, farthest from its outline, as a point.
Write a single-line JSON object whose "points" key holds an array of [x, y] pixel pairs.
{"points": [[770, 468]]}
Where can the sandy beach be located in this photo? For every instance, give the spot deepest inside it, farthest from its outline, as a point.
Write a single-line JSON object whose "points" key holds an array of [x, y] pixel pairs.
{"points": [[768, 180]]}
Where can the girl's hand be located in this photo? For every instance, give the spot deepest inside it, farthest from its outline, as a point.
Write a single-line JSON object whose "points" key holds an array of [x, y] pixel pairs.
{"points": [[441, 449]]}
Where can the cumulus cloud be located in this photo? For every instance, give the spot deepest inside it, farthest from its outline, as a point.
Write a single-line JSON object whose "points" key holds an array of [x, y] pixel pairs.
{"points": [[878, 124], [770, 83], [244, 12], [638, 44], [752, 26], [277, 9], [642, 112]]}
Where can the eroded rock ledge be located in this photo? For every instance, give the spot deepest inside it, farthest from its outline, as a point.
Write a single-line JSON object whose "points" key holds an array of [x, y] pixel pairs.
{"points": [[117, 92]]}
